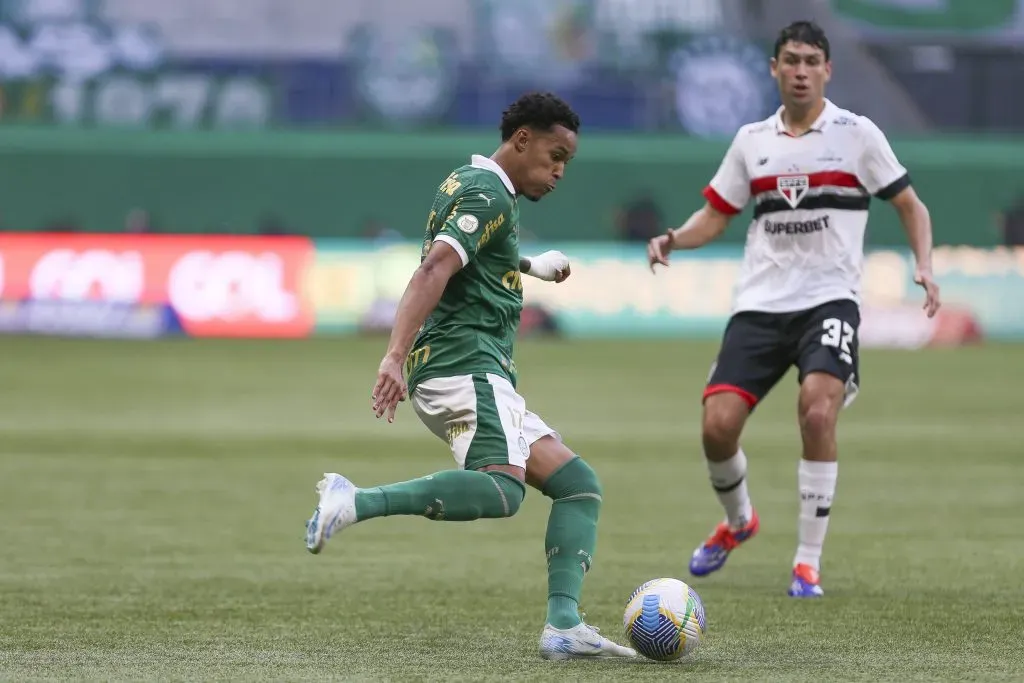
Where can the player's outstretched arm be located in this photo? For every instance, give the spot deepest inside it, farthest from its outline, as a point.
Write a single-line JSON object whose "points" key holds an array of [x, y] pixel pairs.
{"points": [[421, 296], [704, 226], [917, 223]]}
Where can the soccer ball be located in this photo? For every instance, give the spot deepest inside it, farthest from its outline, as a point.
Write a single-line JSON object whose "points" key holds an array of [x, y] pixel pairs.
{"points": [[664, 619]]}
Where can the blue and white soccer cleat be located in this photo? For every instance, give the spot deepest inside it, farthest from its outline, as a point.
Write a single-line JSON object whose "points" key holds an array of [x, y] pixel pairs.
{"points": [[336, 510], [579, 642], [806, 582], [712, 553]]}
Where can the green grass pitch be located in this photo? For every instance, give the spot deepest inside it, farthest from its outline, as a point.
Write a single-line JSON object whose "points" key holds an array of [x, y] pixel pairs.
{"points": [[153, 497]]}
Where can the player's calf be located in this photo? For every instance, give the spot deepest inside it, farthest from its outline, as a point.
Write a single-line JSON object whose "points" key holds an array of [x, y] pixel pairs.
{"points": [[817, 486], [821, 399], [725, 414], [577, 495], [571, 538], [452, 495]]}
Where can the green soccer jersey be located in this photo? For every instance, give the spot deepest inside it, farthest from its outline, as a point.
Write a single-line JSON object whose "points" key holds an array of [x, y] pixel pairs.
{"points": [[474, 326]]}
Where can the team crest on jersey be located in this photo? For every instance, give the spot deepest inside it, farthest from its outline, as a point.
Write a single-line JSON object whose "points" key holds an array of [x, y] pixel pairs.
{"points": [[467, 223], [793, 188]]}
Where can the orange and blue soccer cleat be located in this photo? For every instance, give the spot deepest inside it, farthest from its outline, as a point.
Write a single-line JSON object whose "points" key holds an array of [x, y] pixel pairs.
{"points": [[712, 554], [805, 582]]}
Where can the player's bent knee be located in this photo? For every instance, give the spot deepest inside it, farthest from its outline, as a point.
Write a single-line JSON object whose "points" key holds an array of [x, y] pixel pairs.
{"points": [[818, 419], [575, 479], [721, 427], [821, 398], [724, 417], [512, 492], [547, 455], [818, 385]]}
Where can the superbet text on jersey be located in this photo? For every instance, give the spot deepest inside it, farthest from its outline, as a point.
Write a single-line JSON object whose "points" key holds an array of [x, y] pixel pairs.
{"points": [[805, 245]]}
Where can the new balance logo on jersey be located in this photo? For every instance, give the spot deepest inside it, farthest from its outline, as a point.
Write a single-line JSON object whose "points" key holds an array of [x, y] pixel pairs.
{"points": [[796, 227], [793, 188]]}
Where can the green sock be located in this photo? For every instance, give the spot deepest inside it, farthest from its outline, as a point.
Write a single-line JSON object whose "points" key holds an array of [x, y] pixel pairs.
{"points": [[571, 538], [451, 495]]}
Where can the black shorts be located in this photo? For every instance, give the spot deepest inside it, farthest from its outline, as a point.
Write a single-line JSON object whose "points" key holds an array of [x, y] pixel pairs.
{"points": [[759, 348]]}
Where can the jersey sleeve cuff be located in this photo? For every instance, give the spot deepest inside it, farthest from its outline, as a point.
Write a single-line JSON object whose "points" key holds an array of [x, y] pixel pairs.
{"points": [[719, 204], [454, 244], [894, 188]]}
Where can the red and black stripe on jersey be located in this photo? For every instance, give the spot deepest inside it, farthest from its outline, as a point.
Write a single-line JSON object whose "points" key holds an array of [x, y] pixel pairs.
{"points": [[825, 190], [836, 190]]}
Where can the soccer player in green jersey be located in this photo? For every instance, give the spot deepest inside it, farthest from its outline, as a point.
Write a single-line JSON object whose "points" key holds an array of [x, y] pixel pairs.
{"points": [[452, 342]]}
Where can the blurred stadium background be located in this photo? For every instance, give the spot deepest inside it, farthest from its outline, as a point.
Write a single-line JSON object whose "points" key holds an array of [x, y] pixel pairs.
{"points": [[249, 179], [331, 121]]}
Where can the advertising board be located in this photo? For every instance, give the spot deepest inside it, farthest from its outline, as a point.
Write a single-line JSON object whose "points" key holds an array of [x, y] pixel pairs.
{"points": [[222, 286]]}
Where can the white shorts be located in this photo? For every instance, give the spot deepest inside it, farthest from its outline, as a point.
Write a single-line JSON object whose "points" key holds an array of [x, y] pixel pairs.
{"points": [[483, 419]]}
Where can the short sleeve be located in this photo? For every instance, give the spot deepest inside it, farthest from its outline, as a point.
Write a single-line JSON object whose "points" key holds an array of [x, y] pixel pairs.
{"points": [[729, 189], [477, 217], [879, 171]]}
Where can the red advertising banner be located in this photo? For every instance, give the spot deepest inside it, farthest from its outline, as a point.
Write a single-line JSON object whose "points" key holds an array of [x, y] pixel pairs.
{"points": [[219, 286]]}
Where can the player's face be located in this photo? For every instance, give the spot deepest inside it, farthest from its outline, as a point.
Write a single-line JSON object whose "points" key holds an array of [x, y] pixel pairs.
{"points": [[801, 71], [545, 156]]}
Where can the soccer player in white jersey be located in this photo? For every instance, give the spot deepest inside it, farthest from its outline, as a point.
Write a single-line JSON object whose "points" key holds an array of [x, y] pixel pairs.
{"points": [[810, 171]]}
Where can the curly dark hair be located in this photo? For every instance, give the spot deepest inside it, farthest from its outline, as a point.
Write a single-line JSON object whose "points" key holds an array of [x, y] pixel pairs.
{"points": [[540, 111], [806, 32]]}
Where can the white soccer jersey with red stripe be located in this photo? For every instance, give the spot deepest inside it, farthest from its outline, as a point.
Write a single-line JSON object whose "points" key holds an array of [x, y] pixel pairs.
{"points": [[805, 245]]}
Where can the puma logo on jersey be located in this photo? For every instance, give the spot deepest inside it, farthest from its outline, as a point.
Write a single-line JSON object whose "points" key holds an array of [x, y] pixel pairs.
{"points": [[486, 198]]}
